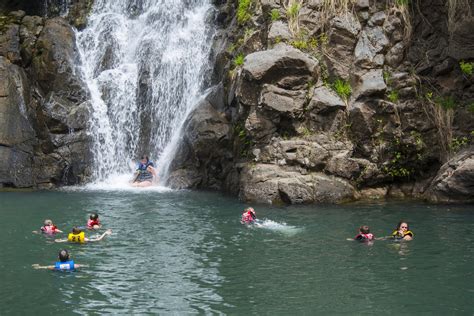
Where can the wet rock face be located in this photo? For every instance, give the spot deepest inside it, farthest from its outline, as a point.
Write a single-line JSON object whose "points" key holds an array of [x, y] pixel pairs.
{"points": [[333, 106], [43, 104]]}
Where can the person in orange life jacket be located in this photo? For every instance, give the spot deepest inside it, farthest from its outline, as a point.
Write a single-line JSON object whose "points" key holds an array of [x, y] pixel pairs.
{"points": [[364, 234], [93, 222], [248, 216], [48, 228], [64, 264], [78, 236], [145, 173], [402, 232]]}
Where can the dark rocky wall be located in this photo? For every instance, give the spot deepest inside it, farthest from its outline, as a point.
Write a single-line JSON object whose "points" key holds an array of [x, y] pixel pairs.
{"points": [[288, 136], [43, 104]]}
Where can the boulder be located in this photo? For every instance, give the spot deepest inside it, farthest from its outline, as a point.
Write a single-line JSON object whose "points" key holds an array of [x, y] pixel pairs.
{"points": [[455, 180], [274, 184], [372, 41], [281, 101], [370, 83], [10, 43], [325, 101], [279, 31]]}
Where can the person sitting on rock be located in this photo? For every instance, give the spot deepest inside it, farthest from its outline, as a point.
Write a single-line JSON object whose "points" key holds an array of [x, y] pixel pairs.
{"points": [[77, 236], [145, 173], [64, 264], [248, 216]]}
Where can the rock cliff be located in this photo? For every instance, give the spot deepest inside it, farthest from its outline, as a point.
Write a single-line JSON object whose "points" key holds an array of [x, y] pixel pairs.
{"points": [[43, 104], [331, 101]]}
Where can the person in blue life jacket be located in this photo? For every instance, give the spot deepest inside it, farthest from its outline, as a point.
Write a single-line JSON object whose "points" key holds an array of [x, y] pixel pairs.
{"points": [[64, 264], [145, 174]]}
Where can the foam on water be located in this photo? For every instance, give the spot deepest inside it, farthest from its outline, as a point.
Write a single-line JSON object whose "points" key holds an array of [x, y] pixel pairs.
{"points": [[276, 226]]}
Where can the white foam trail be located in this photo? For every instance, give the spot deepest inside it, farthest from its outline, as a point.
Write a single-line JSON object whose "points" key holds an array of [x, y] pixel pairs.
{"points": [[275, 226]]}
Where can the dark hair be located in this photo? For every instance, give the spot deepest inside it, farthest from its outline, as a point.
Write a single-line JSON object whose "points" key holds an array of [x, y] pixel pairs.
{"points": [[63, 255], [144, 157], [94, 216], [76, 230], [400, 224], [364, 229]]}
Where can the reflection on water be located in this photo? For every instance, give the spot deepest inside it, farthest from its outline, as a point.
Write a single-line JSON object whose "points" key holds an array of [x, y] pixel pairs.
{"points": [[186, 252]]}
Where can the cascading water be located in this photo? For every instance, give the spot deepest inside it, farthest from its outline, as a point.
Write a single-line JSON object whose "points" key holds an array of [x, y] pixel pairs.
{"points": [[144, 63]]}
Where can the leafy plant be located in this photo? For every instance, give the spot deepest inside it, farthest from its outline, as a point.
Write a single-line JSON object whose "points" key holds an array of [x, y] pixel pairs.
{"points": [[342, 88], [470, 107], [239, 60], [466, 68], [446, 103], [458, 143], [293, 11], [393, 96], [243, 11], [300, 44], [275, 15]]}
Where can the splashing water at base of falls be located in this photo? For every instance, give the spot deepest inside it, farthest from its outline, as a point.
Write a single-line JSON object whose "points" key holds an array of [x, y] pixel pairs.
{"points": [[144, 63]]}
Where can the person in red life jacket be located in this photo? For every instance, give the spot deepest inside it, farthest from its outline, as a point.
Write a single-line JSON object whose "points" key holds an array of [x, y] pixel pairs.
{"points": [[364, 234], [248, 216], [64, 264], [93, 222], [48, 228]]}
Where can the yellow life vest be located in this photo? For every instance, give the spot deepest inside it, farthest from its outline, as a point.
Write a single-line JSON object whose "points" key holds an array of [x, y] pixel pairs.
{"points": [[79, 238], [396, 234]]}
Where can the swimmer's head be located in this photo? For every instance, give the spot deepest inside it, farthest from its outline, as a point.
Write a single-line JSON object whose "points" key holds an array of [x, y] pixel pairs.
{"points": [[364, 229], [76, 230], [251, 211], [48, 222], [94, 216], [63, 255]]}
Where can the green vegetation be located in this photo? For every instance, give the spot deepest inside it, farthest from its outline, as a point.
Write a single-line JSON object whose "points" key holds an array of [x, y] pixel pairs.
{"points": [[458, 143], [293, 11], [244, 12], [275, 15], [342, 88], [466, 68], [393, 96], [470, 107], [402, 2], [239, 60], [446, 103], [299, 44]]}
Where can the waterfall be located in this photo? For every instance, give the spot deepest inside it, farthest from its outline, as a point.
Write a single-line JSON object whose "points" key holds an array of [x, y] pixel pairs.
{"points": [[144, 63]]}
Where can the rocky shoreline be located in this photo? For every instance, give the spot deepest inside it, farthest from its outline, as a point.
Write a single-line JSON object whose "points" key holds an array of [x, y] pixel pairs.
{"points": [[308, 104]]}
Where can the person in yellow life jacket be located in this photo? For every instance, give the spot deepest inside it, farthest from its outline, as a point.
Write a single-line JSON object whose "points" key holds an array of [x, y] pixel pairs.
{"points": [[78, 236], [402, 232]]}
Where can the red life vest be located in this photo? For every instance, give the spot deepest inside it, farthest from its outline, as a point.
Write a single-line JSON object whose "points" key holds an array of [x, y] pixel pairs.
{"points": [[364, 237], [49, 229], [247, 217], [92, 222]]}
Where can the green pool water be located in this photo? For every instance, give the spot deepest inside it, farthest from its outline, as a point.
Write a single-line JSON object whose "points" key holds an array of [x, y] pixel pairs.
{"points": [[187, 253]]}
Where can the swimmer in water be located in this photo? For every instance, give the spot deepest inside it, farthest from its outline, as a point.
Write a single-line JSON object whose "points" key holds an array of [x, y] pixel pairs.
{"points": [[77, 236], [93, 222], [364, 234], [48, 228], [64, 264], [248, 216], [402, 232]]}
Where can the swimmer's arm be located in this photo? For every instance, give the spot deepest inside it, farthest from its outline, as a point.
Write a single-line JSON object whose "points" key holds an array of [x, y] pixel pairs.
{"points": [[60, 240], [36, 232], [76, 265], [58, 231], [37, 266], [108, 232], [407, 237]]}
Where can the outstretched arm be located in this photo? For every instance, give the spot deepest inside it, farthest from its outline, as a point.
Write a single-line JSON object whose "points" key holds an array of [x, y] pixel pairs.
{"points": [[60, 240], [108, 232], [37, 266]]}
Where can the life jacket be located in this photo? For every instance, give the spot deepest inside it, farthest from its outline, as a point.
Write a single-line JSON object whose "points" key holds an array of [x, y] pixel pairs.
{"points": [[397, 235], [92, 222], [364, 237], [66, 265], [248, 217], [79, 238], [142, 167], [49, 229]]}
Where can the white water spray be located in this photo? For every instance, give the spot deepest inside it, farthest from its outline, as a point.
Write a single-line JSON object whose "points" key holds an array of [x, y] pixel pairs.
{"points": [[144, 63]]}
